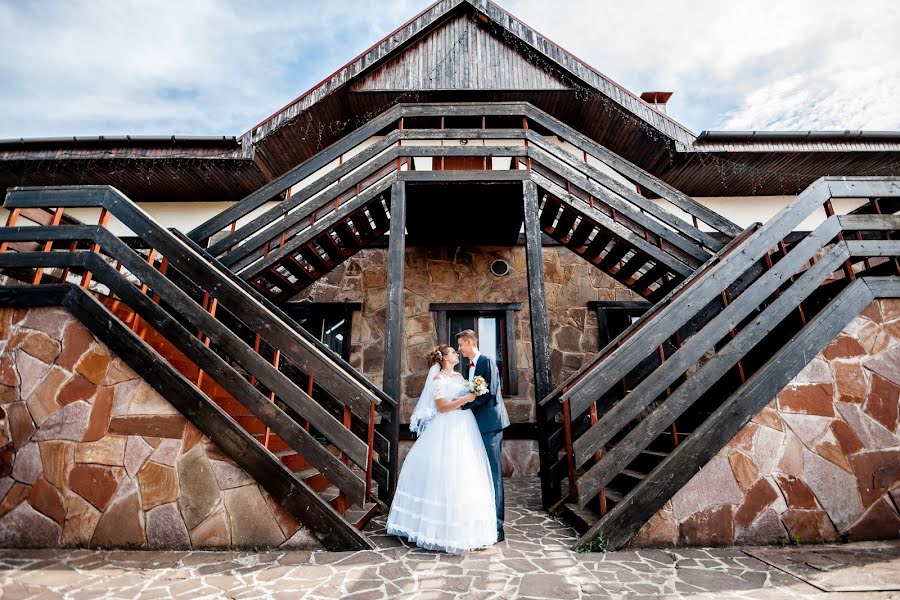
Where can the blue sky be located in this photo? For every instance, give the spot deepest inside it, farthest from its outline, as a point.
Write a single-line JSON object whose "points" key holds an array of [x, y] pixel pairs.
{"points": [[217, 67]]}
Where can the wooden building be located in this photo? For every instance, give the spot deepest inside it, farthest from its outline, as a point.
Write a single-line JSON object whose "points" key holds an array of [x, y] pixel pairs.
{"points": [[198, 328]]}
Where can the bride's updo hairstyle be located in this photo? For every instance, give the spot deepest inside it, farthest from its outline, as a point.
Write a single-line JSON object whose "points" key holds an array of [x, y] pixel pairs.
{"points": [[437, 356]]}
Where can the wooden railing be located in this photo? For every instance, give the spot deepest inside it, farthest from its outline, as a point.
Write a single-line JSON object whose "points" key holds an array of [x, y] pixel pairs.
{"points": [[637, 422], [305, 235], [474, 121], [230, 335]]}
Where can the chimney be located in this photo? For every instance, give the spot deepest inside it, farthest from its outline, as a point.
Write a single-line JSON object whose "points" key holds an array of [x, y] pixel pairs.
{"points": [[657, 100]]}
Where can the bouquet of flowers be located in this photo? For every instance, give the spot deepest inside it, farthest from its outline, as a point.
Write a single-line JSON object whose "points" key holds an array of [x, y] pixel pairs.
{"points": [[478, 386]]}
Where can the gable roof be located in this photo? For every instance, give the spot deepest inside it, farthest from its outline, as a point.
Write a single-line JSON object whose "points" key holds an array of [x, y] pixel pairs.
{"points": [[439, 55]]}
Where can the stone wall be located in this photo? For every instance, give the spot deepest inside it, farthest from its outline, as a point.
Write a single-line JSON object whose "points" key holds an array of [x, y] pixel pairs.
{"points": [[92, 456], [820, 463], [463, 275]]}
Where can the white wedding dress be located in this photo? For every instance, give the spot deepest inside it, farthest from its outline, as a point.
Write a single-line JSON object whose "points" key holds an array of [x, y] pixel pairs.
{"points": [[445, 496]]}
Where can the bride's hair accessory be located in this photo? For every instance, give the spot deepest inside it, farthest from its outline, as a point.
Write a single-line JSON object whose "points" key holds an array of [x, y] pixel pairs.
{"points": [[437, 356]]}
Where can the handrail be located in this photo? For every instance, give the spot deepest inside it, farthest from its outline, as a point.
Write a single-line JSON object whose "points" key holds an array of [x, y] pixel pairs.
{"points": [[616, 162], [189, 344], [746, 280], [284, 182], [296, 496], [335, 376], [185, 259], [675, 313], [384, 398], [635, 440], [319, 203], [395, 116], [648, 317]]}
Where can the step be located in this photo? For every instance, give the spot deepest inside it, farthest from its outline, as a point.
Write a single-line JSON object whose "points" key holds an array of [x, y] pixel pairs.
{"points": [[654, 453], [360, 517], [613, 496], [581, 519], [314, 479], [633, 474]]}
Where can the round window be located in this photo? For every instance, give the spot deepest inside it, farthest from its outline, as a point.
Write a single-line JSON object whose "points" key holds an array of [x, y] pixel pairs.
{"points": [[500, 267]]}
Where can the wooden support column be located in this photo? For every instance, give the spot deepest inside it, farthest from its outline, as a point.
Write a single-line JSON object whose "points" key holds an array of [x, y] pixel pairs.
{"points": [[393, 327], [540, 336]]}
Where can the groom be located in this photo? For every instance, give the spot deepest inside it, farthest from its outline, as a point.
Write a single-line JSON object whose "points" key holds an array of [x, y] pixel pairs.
{"points": [[490, 413]]}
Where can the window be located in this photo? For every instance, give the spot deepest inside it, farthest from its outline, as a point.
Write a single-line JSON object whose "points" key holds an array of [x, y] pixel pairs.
{"points": [[330, 322], [495, 326], [615, 317]]}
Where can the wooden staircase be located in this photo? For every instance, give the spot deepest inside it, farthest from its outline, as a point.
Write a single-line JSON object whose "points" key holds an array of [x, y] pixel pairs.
{"points": [[600, 217], [636, 423], [360, 515], [181, 321]]}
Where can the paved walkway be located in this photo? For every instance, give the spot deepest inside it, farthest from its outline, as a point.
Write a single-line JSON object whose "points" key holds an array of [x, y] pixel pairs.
{"points": [[534, 562]]}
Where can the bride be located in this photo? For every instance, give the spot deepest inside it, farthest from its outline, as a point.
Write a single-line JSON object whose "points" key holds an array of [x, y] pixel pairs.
{"points": [[445, 496]]}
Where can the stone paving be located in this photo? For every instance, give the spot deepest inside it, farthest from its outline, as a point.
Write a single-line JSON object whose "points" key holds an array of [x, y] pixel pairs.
{"points": [[533, 562]]}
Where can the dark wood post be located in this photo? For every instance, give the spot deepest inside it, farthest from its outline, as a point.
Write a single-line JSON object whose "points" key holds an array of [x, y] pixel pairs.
{"points": [[393, 326], [540, 336]]}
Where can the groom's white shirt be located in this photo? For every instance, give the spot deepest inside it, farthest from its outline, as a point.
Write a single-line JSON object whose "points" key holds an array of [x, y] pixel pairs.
{"points": [[472, 364]]}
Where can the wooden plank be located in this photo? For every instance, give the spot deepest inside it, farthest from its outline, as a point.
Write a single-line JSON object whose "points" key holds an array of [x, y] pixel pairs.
{"points": [[381, 399], [549, 212], [330, 247], [653, 425], [614, 256], [312, 256], [581, 233], [189, 345], [598, 244], [475, 307], [280, 184], [463, 176], [296, 269], [293, 494], [540, 332], [700, 293], [287, 215], [564, 225], [379, 214], [644, 179], [620, 524], [362, 225], [394, 320], [554, 160], [634, 264], [347, 236], [643, 283], [617, 229]]}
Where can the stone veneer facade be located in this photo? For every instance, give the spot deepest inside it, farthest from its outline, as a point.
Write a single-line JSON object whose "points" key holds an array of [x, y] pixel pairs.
{"points": [[820, 463], [92, 456], [463, 275]]}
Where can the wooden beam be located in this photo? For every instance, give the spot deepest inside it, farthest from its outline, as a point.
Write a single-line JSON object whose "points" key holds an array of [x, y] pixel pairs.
{"points": [[540, 335], [393, 327], [711, 371], [642, 502], [297, 497]]}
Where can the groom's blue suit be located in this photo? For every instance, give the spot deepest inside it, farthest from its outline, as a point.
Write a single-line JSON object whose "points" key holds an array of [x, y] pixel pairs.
{"points": [[491, 418]]}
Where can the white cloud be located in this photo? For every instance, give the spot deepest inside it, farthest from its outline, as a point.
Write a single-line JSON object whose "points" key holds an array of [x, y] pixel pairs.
{"points": [[93, 67], [798, 64], [198, 67]]}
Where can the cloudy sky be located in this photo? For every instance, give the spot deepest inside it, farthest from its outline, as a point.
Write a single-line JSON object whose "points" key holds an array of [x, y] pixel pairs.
{"points": [[217, 67]]}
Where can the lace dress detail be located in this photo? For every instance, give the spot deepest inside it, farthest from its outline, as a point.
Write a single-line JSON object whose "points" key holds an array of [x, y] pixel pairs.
{"points": [[445, 495]]}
